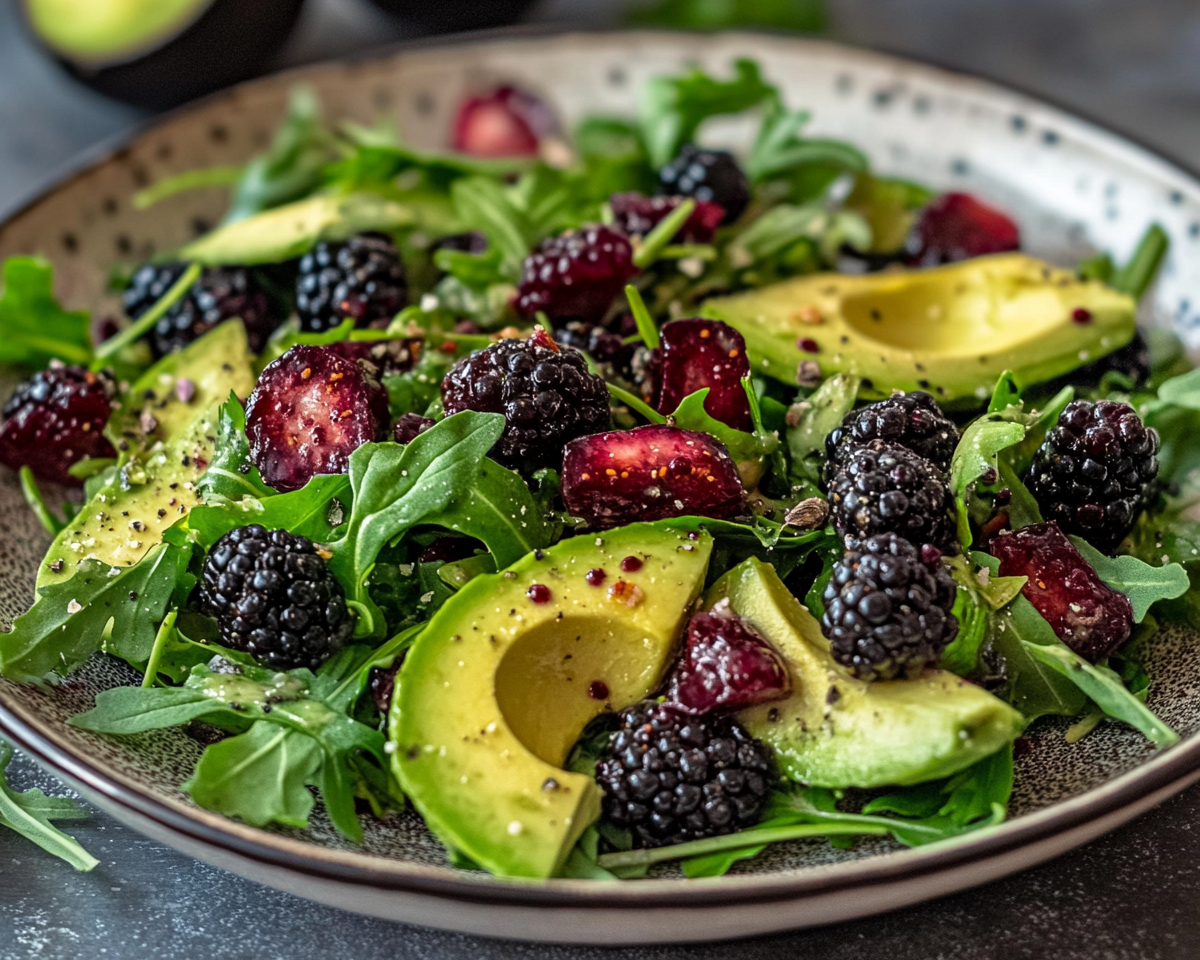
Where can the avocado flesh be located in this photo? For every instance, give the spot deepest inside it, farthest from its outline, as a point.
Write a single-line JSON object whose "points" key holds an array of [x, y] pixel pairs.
{"points": [[106, 30], [948, 330], [495, 691], [155, 484], [836, 731]]}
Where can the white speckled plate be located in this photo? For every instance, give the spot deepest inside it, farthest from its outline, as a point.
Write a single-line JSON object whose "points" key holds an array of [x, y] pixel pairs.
{"points": [[1073, 186]]}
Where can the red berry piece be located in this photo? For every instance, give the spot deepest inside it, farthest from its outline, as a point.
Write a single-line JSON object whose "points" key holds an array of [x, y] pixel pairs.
{"points": [[310, 410], [1087, 615], [650, 473], [409, 427], [637, 215], [704, 353], [54, 419], [507, 122], [956, 226], [725, 666], [575, 276]]}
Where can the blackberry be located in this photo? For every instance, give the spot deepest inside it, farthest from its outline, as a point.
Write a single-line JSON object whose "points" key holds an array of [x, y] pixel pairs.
{"points": [[1131, 360], [547, 396], [361, 279], [670, 778], [887, 608], [708, 176], [912, 420], [608, 350], [54, 419], [274, 598], [886, 488], [575, 276], [1096, 471], [221, 293]]}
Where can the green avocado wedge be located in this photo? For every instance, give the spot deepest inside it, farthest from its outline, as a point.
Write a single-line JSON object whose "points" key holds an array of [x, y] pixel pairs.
{"points": [[167, 428], [948, 330], [498, 687], [835, 731]]}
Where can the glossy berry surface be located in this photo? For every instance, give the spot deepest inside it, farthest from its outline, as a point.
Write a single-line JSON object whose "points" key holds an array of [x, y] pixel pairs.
{"points": [[1086, 614], [885, 488], [887, 608], [911, 420], [54, 419], [957, 226], [1096, 471], [547, 395], [309, 411], [575, 276], [637, 214], [669, 778], [695, 354], [710, 176], [274, 598], [608, 350], [409, 427], [649, 473], [221, 293], [506, 122], [725, 665], [361, 279]]}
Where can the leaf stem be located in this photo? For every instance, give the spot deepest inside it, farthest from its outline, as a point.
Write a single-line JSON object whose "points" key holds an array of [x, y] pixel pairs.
{"points": [[147, 320], [156, 652], [635, 404], [658, 239], [33, 497], [734, 841], [641, 316], [1137, 275], [188, 180]]}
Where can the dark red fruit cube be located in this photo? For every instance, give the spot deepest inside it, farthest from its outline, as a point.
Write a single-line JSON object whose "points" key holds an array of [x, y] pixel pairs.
{"points": [[310, 410], [507, 122], [54, 419], [1087, 615], [637, 214], [704, 353], [650, 473], [409, 427], [724, 666], [957, 226], [575, 276]]}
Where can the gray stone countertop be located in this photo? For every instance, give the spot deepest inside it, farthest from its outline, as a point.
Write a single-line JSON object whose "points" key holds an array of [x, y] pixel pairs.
{"points": [[1132, 894]]}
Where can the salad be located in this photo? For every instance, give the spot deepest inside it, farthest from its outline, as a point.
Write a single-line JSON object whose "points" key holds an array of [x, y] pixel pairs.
{"points": [[601, 497]]}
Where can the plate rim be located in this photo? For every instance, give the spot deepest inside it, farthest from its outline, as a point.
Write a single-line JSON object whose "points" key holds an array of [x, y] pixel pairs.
{"points": [[1167, 768]]}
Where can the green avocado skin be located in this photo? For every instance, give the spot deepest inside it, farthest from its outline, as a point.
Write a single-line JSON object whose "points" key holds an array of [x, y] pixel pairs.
{"points": [[950, 331], [836, 731]]}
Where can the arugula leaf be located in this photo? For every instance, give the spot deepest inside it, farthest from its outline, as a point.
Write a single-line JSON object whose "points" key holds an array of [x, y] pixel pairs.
{"points": [[36, 329], [745, 448], [781, 227], [977, 454], [231, 474], [1135, 277], [314, 511], [816, 418], [779, 147], [1143, 584], [29, 814], [1105, 689], [69, 621], [488, 207]]}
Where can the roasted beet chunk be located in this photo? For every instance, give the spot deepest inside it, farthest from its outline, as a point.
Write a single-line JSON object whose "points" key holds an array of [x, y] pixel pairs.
{"points": [[725, 666], [575, 276], [507, 122], [956, 226], [637, 214], [704, 353], [1087, 615], [55, 419], [310, 410], [649, 473]]}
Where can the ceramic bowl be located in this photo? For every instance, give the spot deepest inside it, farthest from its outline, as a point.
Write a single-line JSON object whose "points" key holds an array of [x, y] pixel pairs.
{"points": [[1074, 187]]}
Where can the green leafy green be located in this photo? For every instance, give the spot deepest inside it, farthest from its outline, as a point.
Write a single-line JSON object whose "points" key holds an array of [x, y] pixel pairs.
{"points": [[785, 225], [29, 814], [36, 329], [780, 149], [1135, 277], [315, 511], [815, 418], [976, 456], [231, 474], [803, 15], [1143, 584]]}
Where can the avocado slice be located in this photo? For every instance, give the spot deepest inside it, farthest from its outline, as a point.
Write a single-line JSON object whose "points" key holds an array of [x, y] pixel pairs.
{"points": [[949, 330], [836, 731], [497, 688], [167, 427]]}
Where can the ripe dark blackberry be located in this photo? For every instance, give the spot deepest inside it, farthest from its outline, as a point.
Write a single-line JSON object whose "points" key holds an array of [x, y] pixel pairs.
{"points": [[709, 176], [220, 294], [1131, 360], [670, 778], [887, 608], [575, 276], [608, 350], [361, 279], [274, 598], [1096, 471], [885, 488], [547, 396], [54, 419], [912, 420]]}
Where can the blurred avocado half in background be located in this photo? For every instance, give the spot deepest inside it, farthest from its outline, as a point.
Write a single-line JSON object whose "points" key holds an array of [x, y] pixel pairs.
{"points": [[159, 53]]}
